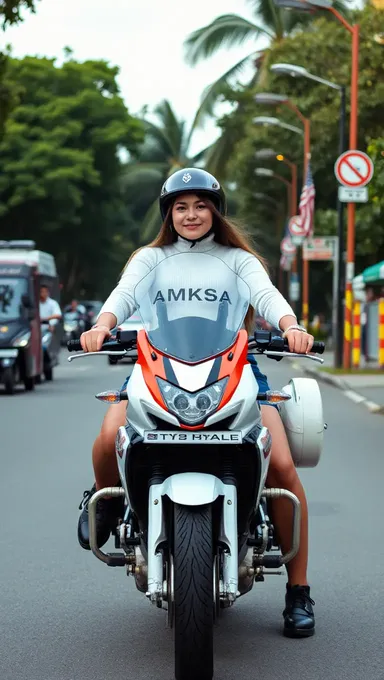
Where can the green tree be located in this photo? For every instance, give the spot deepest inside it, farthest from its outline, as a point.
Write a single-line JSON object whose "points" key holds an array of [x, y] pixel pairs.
{"points": [[166, 148], [228, 30], [324, 50], [10, 13], [10, 10], [60, 179], [371, 216]]}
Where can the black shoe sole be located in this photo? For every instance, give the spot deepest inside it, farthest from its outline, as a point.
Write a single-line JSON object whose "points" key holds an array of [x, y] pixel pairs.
{"points": [[298, 633]]}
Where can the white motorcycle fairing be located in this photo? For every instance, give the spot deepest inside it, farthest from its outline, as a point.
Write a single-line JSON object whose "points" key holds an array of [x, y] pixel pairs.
{"points": [[242, 405]]}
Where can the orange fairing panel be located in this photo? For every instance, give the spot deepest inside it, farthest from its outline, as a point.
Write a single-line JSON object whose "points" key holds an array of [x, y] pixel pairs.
{"points": [[151, 367], [234, 368], [154, 367]]}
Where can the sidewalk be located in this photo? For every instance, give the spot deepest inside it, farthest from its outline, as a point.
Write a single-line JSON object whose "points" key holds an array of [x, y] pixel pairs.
{"points": [[363, 388]]}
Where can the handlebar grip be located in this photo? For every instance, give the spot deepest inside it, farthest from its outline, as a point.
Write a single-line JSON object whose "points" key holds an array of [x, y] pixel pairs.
{"points": [[318, 347], [74, 346]]}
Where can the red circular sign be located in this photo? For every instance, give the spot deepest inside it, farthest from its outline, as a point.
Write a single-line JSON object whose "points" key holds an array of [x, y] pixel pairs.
{"points": [[354, 169]]}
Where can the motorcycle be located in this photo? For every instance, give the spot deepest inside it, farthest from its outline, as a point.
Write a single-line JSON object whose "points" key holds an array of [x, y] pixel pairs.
{"points": [[74, 326], [193, 457]]}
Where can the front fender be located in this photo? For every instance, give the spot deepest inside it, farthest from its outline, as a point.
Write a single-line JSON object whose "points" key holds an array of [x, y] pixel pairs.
{"points": [[192, 488]]}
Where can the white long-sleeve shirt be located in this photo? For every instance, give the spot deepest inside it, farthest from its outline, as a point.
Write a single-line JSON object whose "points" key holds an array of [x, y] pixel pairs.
{"points": [[49, 308], [265, 298]]}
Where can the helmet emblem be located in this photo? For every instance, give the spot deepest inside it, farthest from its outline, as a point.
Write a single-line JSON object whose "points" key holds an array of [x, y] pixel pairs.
{"points": [[187, 178]]}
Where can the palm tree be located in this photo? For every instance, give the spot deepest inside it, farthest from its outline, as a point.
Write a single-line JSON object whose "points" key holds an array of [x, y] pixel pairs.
{"points": [[165, 150], [229, 30]]}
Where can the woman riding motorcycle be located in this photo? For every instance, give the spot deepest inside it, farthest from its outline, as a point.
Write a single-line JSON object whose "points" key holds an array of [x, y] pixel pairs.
{"points": [[193, 208]]}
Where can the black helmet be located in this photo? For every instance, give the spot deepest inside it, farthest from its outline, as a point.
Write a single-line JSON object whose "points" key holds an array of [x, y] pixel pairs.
{"points": [[192, 180]]}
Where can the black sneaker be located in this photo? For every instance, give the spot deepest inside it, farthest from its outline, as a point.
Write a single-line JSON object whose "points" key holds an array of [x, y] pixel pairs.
{"points": [[299, 619], [108, 511]]}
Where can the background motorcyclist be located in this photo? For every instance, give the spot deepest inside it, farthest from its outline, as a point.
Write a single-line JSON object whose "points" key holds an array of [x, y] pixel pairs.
{"points": [[192, 205], [75, 317], [76, 307]]}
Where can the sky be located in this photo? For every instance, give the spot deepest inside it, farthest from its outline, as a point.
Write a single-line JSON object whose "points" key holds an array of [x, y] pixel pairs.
{"points": [[144, 38]]}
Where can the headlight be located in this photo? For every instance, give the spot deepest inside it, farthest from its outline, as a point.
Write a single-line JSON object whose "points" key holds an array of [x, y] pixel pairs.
{"points": [[190, 407], [70, 326], [22, 340]]}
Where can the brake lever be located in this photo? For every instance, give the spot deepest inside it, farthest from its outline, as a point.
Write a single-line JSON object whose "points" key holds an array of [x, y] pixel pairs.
{"points": [[293, 355], [90, 354]]}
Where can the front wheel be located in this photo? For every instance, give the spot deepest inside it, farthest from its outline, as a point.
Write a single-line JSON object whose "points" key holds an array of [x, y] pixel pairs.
{"points": [[9, 380], [193, 606], [48, 372], [29, 384]]}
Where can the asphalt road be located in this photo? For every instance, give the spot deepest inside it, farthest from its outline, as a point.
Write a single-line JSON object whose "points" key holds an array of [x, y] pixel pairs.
{"points": [[66, 616]]}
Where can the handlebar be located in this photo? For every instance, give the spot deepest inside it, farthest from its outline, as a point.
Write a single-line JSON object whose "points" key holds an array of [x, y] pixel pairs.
{"points": [[265, 341], [123, 340]]}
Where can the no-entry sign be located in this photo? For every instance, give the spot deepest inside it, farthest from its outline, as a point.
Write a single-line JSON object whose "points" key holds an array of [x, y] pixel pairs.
{"points": [[354, 169]]}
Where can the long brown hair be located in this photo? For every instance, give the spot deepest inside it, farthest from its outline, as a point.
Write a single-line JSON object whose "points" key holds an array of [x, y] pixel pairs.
{"points": [[225, 232]]}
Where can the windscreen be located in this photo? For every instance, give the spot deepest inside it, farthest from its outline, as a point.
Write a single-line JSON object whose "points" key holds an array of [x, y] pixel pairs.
{"points": [[11, 290], [192, 306]]}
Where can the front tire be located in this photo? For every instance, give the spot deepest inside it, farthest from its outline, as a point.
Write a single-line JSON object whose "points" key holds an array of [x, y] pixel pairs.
{"points": [[193, 607], [48, 373], [29, 384], [9, 380]]}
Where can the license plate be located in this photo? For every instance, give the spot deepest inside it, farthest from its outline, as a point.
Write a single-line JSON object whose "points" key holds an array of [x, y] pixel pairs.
{"points": [[172, 437], [8, 353]]}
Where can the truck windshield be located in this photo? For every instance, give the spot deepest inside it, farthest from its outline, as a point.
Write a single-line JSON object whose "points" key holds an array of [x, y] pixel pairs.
{"points": [[11, 291]]}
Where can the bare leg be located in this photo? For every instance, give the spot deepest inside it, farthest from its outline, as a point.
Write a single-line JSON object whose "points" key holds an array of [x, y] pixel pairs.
{"points": [[103, 452], [282, 474]]}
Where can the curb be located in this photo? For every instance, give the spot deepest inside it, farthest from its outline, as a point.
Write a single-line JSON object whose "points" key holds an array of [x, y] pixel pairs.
{"points": [[341, 385]]}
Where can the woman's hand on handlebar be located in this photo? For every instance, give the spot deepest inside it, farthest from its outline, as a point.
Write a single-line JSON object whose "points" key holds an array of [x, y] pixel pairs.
{"points": [[299, 342], [92, 340]]}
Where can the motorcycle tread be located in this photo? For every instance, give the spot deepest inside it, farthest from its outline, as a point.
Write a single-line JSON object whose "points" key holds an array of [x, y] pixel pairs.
{"points": [[193, 592]]}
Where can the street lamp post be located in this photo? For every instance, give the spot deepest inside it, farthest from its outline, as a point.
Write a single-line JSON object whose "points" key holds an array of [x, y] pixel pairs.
{"points": [[272, 98], [264, 197], [271, 154], [301, 72], [270, 120], [267, 172], [276, 99], [274, 205], [310, 5]]}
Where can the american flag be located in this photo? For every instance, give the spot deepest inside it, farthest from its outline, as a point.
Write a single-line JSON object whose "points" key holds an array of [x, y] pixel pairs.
{"points": [[307, 203]]}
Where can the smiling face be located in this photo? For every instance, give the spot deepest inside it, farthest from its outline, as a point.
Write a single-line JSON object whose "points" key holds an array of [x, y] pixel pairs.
{"points": [[191, 216]]}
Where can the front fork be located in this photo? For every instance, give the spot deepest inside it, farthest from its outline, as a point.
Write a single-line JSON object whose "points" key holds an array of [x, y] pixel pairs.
{"points": [[228, 539]]}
